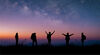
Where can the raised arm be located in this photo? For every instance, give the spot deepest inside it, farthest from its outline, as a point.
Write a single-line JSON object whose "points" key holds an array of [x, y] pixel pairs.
{"points": [[46, 32], [63, 34], [71, 34], [53, 32]]}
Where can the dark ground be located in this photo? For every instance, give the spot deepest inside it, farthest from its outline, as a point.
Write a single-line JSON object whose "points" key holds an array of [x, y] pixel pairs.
{"points": [[44, 49]]}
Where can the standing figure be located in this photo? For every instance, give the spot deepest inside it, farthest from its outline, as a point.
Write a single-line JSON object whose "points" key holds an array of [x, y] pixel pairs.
{"points": [[34, 39], [16, 37], [83, 38], [67, 38], [49, 37]]}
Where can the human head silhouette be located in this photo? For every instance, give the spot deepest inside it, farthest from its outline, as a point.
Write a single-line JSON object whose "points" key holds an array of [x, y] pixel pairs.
{"points": [[49, 32], [82, 33], [67, 33], [16, 32], [33, 33]]}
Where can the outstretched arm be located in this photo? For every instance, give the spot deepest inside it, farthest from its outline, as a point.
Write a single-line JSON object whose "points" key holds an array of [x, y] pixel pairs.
{"points": [[63, 34], [53, 32], [71, 34], [46, 32]]}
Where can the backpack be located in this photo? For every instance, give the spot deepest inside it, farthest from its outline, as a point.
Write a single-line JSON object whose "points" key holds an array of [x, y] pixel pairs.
{"points": [[84, 37], [67, 38]]}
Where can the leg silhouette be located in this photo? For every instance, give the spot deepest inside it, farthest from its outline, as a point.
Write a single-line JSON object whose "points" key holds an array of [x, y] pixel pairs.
{"points": [[16, 42], [67, 43], [49, 42], [82, 43], [32, 43], [35, 43]]}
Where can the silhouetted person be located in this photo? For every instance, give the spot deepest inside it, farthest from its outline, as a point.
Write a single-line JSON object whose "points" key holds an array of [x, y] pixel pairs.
{"points": [[16, 37], [83, 38], [34, 39], [49, 37], [67, 38]]}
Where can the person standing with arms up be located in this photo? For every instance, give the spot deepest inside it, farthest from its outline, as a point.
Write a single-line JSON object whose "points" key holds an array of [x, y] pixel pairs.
{"points": [[34, 39], [49, 37], [17, 38], [83, 38], [67, 38]]}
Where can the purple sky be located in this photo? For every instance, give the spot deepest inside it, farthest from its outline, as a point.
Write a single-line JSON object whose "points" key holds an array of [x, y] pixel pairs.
{"points": [[28, 16]]}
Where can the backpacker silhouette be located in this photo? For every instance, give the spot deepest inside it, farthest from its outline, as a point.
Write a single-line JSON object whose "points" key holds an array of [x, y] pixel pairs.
{"points": [[49, 37], [34, 39], [83, 38], [67, 38]]}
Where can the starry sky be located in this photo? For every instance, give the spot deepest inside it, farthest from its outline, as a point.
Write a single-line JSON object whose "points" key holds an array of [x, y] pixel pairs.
{"points": [[28, 16]]}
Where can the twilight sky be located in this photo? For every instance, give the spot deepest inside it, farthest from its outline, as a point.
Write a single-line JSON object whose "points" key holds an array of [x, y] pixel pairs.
{"points": [[28, 16]]}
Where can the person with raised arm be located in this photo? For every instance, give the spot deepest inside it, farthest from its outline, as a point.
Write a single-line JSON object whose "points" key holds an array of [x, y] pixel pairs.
{"points": [[67, 38], [49, 37]]}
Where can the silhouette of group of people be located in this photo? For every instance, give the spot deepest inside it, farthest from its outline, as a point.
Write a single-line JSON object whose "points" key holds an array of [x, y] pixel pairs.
{"points": [[49, 34]]}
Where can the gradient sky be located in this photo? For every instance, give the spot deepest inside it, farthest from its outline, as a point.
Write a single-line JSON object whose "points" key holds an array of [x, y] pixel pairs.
{"points": [[28, 16]]}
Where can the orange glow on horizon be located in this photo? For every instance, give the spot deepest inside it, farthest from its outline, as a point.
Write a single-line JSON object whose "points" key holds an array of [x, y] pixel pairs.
{"points": [[40, 32], [56, 35]]}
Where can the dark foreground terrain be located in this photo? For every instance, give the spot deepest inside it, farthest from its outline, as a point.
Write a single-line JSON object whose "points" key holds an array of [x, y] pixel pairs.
{"points": [[44, 49]]}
